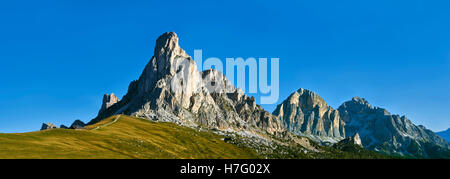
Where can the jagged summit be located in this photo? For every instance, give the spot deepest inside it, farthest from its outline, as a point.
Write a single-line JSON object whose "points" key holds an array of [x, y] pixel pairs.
{"points": [[311, 99], [167, 43], [171, 89], [108, 101], [358, 104], [77, 124], [306, 113], [360, 100], [382, 131]]}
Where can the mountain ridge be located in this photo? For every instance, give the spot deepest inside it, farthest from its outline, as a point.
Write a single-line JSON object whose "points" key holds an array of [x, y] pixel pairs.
{"points": [[171, 89], [445, 134], [379, 129]]}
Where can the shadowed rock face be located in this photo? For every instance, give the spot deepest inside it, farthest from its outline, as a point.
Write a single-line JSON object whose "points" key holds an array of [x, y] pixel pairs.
{"points": [[379, 130], [306, 113], [47, 126], [77, 124], [172, 89]]}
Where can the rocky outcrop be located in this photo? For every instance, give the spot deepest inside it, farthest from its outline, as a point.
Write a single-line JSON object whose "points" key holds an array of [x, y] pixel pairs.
{"points": [[77, 124], [350, 144], [47, 126], [382, 131], [171, 89], [306, 113], [108, 101], [355, 140]]}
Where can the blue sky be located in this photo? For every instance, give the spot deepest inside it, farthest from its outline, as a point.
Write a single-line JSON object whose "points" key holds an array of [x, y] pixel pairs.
{"points": [[59, 57]]}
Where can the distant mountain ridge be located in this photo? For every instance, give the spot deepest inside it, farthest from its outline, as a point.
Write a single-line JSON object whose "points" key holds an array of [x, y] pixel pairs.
{"points": [[306, 113], [382, 131], [445, 134]]}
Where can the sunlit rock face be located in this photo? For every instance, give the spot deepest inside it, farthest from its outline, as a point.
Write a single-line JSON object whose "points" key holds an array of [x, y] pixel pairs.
{"points": [[306, 113], [108, 101], [171, 89]]}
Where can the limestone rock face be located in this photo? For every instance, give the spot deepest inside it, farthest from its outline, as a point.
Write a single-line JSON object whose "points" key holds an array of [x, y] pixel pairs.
{"points": [[171, 89], [47, 126], [108, 101], [357, 140], [352, 144], [381, 131], [306, 113]]}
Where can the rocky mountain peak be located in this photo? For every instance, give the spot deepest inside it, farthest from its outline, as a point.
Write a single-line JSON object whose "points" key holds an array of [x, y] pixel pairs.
{"points": [[77, 124], [358, 105], [382, 131], [108, 101], [306, 113], [171, 89], [167, 47], [360, 101], [307, 98]]}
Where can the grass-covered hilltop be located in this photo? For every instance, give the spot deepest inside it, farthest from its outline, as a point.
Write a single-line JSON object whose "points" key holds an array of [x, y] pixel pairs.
{"points": [[125, 137], [120, 137]]}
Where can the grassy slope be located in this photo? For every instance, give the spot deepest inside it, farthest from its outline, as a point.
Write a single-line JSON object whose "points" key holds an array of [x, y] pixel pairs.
{"points": [[125, 138]]}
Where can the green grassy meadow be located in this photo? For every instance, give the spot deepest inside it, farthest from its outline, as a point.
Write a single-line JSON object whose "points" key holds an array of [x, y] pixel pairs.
{"points": [[121, 137]]}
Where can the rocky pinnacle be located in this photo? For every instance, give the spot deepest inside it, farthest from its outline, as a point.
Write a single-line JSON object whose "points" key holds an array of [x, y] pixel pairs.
{"points": [[172, 89], [306, 113], [108, 101]]}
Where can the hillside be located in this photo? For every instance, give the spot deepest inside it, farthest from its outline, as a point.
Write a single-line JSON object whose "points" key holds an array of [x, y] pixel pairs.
{"points": [[124, 137], [120, 137]]}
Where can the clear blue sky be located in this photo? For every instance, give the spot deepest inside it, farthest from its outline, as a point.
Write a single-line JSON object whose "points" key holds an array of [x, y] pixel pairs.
{"points": [[59, 57]]}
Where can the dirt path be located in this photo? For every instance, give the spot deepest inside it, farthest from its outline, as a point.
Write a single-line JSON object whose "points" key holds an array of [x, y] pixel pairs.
{"points": [[105, 125]]}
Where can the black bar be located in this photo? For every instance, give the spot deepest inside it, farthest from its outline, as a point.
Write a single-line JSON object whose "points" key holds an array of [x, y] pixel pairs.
{"points": [[245, 168]]}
